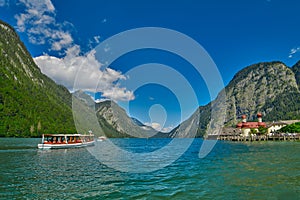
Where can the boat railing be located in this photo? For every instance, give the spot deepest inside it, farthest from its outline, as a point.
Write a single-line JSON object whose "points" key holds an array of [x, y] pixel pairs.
{"points": [[66, 139]]}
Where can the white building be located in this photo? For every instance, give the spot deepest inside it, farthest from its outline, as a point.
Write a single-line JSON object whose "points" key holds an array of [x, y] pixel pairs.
{"points": [[275, 126]]}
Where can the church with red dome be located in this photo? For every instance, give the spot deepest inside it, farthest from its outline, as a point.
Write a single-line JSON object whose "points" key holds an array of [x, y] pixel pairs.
{"points": [[245, 126]]}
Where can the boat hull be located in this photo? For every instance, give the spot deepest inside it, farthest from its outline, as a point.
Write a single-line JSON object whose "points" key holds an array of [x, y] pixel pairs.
{"points": [[66, 146]]}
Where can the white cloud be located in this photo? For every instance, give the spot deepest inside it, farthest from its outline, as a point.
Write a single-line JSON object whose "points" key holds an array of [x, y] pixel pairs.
{"points": [[39, 23], [64, 40], [294, 51], [100, 100], [154, 125], [65, 70], [158, 127], [94, 41], [97, 39]]}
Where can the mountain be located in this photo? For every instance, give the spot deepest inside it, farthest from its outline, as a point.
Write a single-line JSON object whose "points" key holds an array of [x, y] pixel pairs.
{"points": [[188, 128], [108, 118], [269, 87], [30, 102], [109, 113], [137, 122]]}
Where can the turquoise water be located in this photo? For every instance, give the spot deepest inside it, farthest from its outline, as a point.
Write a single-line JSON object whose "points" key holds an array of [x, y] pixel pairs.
{"points": [[266, 170]]}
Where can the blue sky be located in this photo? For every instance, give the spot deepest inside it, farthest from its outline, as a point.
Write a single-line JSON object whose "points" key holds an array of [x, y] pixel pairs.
{"points": [[234, 33]]}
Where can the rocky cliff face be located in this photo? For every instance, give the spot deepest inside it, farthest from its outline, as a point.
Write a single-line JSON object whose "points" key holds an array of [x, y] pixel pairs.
{"points": [[256, 89], [270, 88]]}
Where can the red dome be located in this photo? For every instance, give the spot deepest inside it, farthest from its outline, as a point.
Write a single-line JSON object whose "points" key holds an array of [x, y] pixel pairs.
{"points": [[239, 125], [259, 115], [244, 116]]}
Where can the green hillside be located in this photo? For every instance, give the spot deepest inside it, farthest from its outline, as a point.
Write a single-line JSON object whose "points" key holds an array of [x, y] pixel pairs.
{"points": [[30, 102]]}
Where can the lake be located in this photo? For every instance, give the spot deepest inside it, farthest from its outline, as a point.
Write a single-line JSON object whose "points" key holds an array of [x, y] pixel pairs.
{"points": [[258, 170]]}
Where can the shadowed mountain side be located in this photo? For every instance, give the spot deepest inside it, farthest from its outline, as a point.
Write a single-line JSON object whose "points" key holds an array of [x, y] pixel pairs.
{"points": [[207, 119], [296, 70]]}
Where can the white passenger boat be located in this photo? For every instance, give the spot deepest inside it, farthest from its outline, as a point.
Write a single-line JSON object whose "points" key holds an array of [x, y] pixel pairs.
{"points": [[63, 141]]}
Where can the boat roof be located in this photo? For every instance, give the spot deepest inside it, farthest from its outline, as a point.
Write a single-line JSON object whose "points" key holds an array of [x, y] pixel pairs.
{"points": [[62, 135]]}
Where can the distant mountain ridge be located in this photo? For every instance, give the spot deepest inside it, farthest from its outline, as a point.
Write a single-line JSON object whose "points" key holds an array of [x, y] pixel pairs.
{"points": [[113, 120], [30, 102]]}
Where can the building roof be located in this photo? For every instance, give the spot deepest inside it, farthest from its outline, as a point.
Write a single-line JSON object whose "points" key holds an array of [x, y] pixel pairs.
{"points": [[245, 124], [251, 124]]}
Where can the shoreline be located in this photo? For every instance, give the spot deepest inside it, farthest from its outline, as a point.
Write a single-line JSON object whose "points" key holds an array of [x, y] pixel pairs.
{"points": [[279, 137]]}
